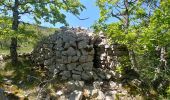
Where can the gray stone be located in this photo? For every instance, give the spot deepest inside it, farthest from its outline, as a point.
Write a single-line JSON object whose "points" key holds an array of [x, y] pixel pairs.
{"points": [[73, 44], [87, 66], [49, 61], [66, 74], [66, 46], [75, 85], [76, 72], [74, 59], [61, 66], [69, 60], [82, 44], [108, 76], [91, 52], [85, 76], [90, 58], [59, 60], [82, 59], [100, 96], [71, 52], [112, 84], [76, 95], [63, 97], [95, 77], [2, 95], [79, 68], [64, 59], [78, 53], [84, 53], [97, 84], [76, 77], [109, 97], [71, 66], [52, 68]]}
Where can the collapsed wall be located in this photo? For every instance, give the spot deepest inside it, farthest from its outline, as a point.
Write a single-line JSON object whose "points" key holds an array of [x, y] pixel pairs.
{"points": [[76, 54]]}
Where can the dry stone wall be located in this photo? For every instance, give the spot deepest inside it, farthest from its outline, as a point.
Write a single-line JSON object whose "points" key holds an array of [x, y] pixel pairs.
{"points": [[74, 53]]}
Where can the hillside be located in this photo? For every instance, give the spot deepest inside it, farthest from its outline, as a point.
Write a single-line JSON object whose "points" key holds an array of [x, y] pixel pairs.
{"points": [[25, 44]]}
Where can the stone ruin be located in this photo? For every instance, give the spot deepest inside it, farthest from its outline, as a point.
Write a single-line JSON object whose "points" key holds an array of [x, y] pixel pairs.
{"points": [[78, 54]]}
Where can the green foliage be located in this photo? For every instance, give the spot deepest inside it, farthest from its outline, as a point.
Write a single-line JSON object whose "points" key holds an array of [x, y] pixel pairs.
{"points": [[27, 35], [148, 31], [49, 10]]}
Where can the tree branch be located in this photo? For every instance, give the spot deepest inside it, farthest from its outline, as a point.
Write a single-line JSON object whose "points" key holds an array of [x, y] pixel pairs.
{"points": [[73, 12], [116, 16]]}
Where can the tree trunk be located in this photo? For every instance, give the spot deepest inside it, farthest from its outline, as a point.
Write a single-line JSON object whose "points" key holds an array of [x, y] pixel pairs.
{"points": [[163, 61], [133, 59], [15, 23], [126, 24]]}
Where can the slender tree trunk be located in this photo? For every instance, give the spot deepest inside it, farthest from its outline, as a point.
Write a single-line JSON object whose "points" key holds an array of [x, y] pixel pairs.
{"points": [[163, 61], [126, 16], [126, 24], [133, 59], [15, 23]]}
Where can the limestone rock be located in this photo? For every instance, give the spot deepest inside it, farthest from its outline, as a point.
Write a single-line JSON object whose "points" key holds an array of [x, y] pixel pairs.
{"points": [[2, 95], [79, 68], [76, 95], [76, 77], [71, 66]]}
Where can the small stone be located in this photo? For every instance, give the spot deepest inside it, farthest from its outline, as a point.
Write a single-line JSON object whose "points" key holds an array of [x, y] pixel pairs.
{"points": [[74, 59], [69, 60], [76, 72], [82, 44], [73, 44], [2, 95], [88, 66], [95, 77], [84, 53], [107, 46], [76, 77], [82, 59], [89, 58], [91, 52], [48, 62], [66, 46], [109, 97], [76, 95], [64, 59], [62, 97], [59, 93], [100, 96], [94, 93], [71, 66], [79, 68], [66, 74], [71, 51], [112, 84], [108, 76], [78, 53], [85, 76], [1, 58], [61, 66], [97, 84]]}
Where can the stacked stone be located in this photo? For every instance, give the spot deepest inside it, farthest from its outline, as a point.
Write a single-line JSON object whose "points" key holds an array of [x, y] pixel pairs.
{"points": [[68, 53], [104, 53]]}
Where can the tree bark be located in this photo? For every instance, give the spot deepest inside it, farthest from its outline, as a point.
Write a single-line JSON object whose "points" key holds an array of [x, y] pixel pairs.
{"points": [[126, 24], [133, 59], [163, 61], [15, 23]]}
